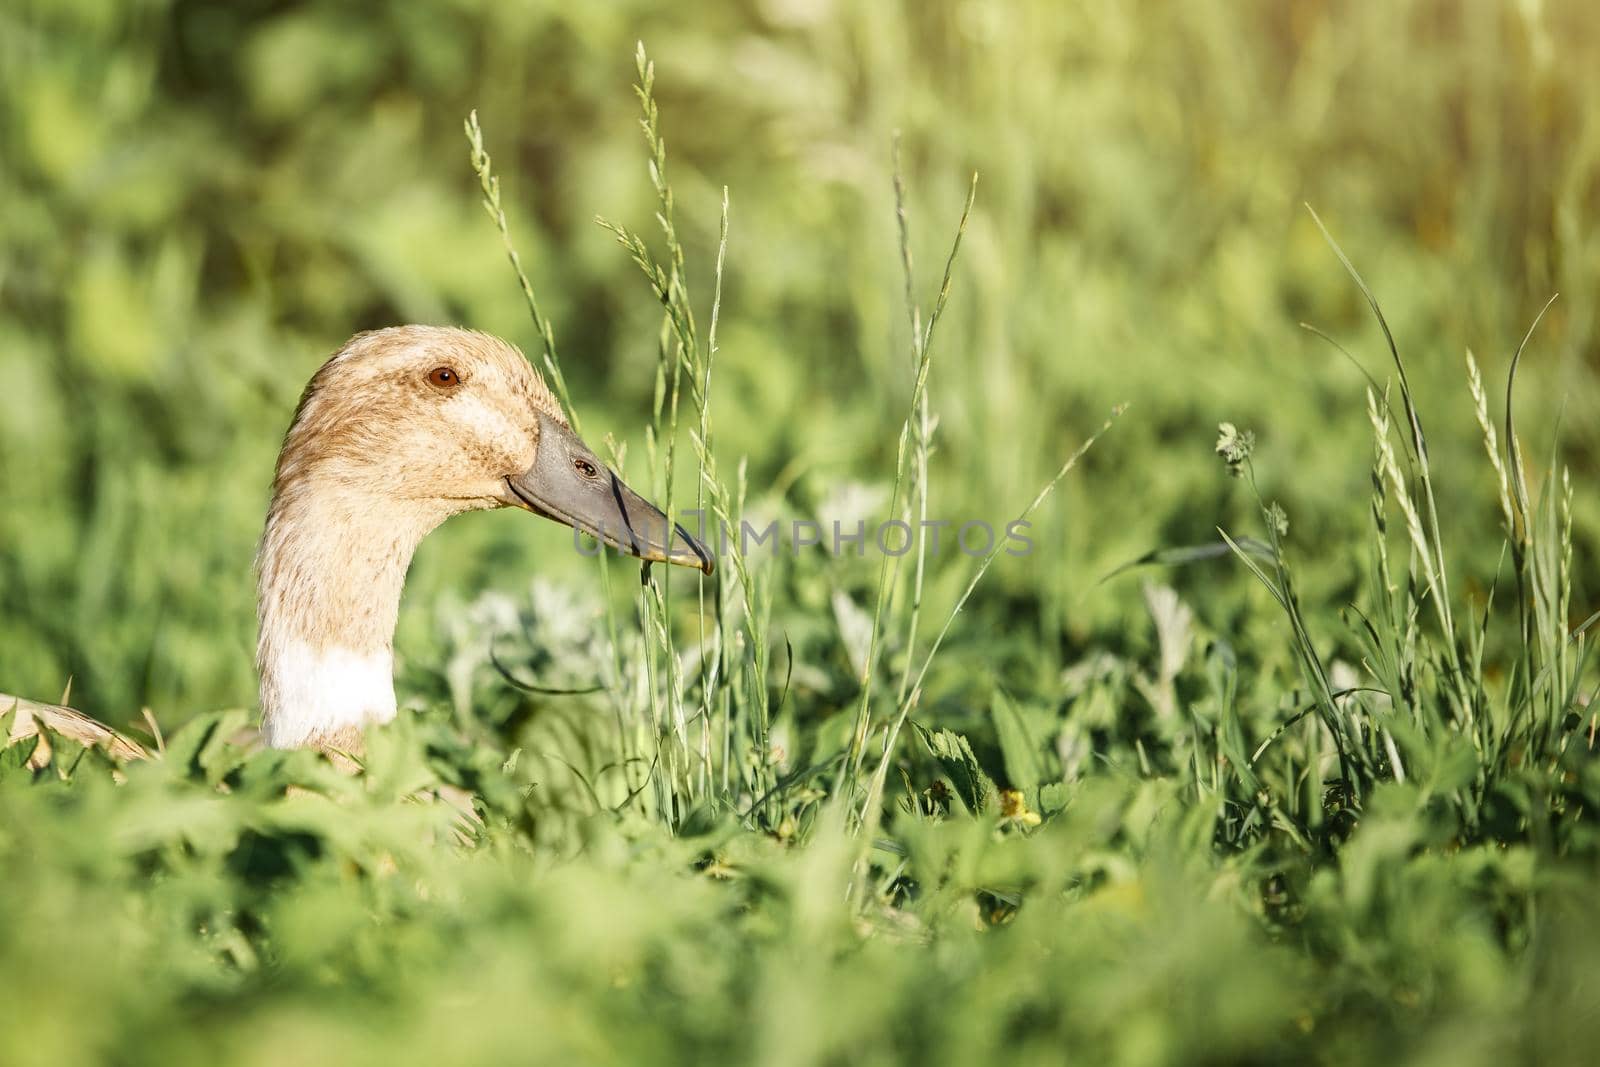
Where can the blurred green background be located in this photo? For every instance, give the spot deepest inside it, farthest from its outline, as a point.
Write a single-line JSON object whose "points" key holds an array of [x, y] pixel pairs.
{"points": [[199, 202]]}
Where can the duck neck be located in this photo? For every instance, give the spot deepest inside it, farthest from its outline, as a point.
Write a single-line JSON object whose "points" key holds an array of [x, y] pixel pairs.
{"points": [[332, 567]]}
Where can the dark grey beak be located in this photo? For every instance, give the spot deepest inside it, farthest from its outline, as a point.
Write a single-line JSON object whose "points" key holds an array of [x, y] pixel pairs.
{"points": [[567, 483]]}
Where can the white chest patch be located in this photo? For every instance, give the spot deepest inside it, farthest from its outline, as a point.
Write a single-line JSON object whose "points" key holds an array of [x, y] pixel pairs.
{"points": [[307, 692]]}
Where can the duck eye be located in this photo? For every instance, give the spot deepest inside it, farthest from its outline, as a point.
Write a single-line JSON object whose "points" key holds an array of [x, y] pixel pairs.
{"points": [[444, 377], [585, 468]]}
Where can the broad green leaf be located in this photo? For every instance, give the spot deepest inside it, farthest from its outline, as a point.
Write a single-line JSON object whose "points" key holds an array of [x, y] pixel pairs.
{"points": [[1020, 747], [955, 756]]}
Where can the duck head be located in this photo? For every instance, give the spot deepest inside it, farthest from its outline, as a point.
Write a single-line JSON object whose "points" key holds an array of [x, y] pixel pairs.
{"points": [[438, 421], [398, 431]]}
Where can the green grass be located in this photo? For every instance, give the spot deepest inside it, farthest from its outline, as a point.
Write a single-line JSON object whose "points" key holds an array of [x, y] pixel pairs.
{"points": [[1309, 780]]}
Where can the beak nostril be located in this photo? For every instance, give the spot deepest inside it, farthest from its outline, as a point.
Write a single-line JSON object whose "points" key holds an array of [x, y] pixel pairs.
{"points": [[570, 484]]}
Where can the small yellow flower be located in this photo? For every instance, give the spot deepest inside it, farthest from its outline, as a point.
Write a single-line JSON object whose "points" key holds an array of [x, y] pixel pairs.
{"points": [[719, 869], [1014, 808]]}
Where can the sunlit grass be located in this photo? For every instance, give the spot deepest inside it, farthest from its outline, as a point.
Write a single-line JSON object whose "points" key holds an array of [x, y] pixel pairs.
{"points": [[1325, 799]]}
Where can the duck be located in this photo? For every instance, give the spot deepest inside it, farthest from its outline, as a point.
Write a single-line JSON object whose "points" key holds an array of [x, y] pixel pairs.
{"points": [[399, 430]]}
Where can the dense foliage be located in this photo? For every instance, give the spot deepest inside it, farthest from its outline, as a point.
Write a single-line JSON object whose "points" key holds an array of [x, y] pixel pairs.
{"points": [[1319, 788]]}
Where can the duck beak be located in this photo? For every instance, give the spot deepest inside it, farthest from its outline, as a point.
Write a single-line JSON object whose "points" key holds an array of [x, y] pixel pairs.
{"points": [[569, 484]]}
